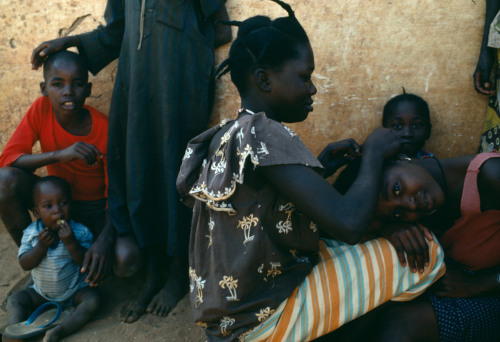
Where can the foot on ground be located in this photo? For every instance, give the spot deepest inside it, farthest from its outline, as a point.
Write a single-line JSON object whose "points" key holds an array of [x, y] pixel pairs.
{"points": [[131, 312], [168, 297]]}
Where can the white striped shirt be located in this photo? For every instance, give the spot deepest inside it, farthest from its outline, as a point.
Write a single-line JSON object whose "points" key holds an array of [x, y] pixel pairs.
{"points": [[57, 277]]}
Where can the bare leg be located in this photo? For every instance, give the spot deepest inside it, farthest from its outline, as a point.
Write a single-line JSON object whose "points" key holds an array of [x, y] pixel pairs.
{"points": [[87, 302], [409, 322], [15, 200], [174, 290], [128, 256], [21, 304], [152, 285]]}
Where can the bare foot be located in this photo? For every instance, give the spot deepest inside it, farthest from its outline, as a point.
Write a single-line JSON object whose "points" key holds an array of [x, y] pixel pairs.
{"points": [[168, 297], [174, 290], [54, 334], [134, 310]]}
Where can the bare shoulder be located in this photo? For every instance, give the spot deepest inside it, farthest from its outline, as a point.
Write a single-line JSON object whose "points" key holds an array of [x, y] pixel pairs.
{"points": [[489, 184], [490, 173]]}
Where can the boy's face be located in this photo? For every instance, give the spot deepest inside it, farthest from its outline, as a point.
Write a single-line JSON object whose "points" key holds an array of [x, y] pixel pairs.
{"points": [[411, 128], [52, 203], [66, 85]]}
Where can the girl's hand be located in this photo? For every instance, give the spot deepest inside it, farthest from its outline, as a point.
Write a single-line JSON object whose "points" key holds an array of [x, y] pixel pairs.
{"points": [[80, 150], [337, 154], [46, 238], [382, 141], [65, 233], [409, 240], [42, 51]]}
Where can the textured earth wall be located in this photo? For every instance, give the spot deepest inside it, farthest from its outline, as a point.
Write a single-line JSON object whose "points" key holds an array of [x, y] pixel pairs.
{"points": [[365, 51]]}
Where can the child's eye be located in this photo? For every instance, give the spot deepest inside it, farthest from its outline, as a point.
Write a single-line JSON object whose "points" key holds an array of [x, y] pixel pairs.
{"points": [[78, 84], [418, 125], [396, 189], [47, 206], [397, 125], [57, 84], [396, 214]]}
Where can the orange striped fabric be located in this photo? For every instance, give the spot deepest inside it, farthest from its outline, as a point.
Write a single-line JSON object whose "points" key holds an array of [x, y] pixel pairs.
{"points": [[347, 282]]}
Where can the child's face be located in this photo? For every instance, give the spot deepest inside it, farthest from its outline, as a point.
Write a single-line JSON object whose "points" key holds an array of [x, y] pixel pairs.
{"points": [[52, 203], [408, 193], [67, 87], [292, 88], [411, 128]]}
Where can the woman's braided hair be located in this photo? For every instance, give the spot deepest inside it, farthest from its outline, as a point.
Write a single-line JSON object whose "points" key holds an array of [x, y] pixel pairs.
{"points": [[262, 42]]}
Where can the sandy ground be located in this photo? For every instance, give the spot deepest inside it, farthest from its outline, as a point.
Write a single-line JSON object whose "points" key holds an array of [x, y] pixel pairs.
{"points": [[106, 326]]}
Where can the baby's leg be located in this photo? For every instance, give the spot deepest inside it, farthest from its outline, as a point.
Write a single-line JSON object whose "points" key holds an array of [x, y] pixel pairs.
{"points": [[21, 304], [15, 200], [87, 302]]}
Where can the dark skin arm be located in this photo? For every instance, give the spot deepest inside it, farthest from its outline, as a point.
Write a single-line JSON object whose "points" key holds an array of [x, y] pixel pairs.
{"points": [[223, 34], [41, 52], [97, 260], [33, 257], [80, 150], [347, 217], [487, 55], [457, 283]]}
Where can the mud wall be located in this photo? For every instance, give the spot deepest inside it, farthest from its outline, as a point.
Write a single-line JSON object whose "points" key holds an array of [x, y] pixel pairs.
{"points": [[365, 51]]}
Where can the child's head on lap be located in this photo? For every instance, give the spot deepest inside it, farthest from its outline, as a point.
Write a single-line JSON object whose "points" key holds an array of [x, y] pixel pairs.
{"points": [[51, 200], [408, 194], [66, 82], [409, 117], [271, 63]]}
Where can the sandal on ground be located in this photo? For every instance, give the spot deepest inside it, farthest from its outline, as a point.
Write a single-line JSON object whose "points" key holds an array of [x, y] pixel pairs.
{"points": [[40, 321]]}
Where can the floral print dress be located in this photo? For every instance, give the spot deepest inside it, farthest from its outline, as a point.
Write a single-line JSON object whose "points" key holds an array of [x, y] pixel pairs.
{"points": [[249, 249]]}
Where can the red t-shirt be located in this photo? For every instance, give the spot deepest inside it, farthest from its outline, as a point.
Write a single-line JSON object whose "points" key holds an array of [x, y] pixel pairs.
{"points": [[88, 183]]}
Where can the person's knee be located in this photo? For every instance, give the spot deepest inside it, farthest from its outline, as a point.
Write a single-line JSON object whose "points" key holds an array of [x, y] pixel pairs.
{"points": [[12, 183], [128, 257]]}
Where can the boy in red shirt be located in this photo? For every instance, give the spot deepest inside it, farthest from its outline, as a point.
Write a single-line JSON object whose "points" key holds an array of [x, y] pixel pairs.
{"points": [[73, 140]]}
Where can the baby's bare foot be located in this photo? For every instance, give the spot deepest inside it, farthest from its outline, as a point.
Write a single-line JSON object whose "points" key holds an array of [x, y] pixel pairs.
{"points": [[54, 334]]}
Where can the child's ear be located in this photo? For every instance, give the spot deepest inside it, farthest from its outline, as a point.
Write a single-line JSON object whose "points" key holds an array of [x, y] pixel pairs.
{"points": [[88, 89], [261, 76], [35, 212], [43, 88]]}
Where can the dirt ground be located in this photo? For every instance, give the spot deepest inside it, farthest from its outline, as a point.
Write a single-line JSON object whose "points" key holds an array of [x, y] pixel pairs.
{"points": [[106, 326]]}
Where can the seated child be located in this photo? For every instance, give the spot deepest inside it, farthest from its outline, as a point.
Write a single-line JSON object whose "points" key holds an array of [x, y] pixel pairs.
{"points": [[408, 116], [53, 248], [73, 140]]}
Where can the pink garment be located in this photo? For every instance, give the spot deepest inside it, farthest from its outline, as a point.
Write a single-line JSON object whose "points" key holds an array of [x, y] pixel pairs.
{"points": [[474, 239]]}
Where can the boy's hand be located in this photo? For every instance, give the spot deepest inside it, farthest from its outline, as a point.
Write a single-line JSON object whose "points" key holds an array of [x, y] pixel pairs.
{"points": [[65, 232], [46, 238], [80, 150], [337, 154], [42, 51], [382, 141]]}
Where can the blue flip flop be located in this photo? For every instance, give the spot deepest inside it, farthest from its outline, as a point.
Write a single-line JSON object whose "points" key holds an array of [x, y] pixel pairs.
{"points": [[40, 321]]}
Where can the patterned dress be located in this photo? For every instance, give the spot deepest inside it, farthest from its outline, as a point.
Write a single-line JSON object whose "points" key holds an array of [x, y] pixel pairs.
{"points": [[258, 271], [272, 246]]}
